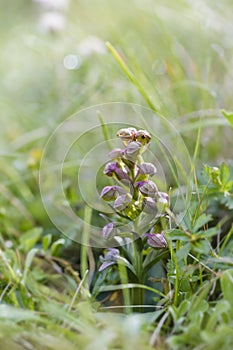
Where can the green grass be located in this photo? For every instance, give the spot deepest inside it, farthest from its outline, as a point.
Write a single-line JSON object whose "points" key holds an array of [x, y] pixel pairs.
{"points": [[174, 57]]}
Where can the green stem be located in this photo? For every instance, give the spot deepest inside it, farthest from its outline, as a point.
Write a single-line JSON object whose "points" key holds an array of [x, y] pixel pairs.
{"points": [[138, 293], [177, 280], [124, 281]]}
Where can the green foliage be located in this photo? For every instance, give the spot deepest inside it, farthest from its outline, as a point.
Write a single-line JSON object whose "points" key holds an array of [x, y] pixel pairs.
{"points": [[221, 183], [226, 284], [228, 116]]}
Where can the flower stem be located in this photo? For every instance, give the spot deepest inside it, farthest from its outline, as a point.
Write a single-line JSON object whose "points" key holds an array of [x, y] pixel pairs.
{"points": [[138, 293]]}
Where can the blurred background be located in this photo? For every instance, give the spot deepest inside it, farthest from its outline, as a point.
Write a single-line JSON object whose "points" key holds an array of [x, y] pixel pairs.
{"points": [[54, 62]]}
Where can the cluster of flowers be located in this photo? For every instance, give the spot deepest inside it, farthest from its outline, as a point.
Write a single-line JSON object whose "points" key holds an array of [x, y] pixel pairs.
{"points": [[134, 195]]}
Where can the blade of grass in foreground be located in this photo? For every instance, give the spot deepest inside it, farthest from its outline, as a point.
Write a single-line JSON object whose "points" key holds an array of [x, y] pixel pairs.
{"points": [[228, 116], [130, 285], [104, 130], [131, 76], [85, 240]]}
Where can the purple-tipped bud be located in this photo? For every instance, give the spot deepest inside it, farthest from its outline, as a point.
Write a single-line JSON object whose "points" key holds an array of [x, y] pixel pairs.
{"points": [[147, 169], [143, 136], [122, 201], [149, 205], [109, 193], [132, 151], [116, 153], [147, 188], [156, 240], [108, 229], [110, 168], [163, 199], [114, 168], [127, 135], [110, 258]]}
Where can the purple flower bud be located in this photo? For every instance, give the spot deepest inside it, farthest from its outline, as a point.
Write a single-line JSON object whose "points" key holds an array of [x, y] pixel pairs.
{"points": [[163, 199], [156, 240], [110, 168], [110, 193], [113, 168], [143, 136], [107, 230], [116, 153], [127, 135], [147, 188], [112, 253], [132, 151], [122, 201], [163, 195], [149, 205], [147, 169], [110, 258]]}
